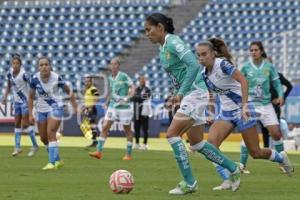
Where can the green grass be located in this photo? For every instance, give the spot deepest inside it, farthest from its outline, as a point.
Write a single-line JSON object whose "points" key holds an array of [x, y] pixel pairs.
{"points": [[155, 172]]}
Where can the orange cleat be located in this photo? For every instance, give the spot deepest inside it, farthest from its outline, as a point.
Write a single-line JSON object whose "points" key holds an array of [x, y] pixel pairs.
{"points": [[96, 154], [127, 157]]}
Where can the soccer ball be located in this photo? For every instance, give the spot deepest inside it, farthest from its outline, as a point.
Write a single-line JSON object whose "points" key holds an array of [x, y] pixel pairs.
{"points": [[121, 181]]}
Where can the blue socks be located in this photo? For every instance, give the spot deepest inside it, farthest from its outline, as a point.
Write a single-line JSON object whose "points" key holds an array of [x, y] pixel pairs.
{"points": [[181, 157], [18, 132], [276, 157], [224, 173], [31, 134], [53, 151]]}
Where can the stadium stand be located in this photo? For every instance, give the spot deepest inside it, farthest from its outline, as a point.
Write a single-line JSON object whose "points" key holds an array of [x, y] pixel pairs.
{"points": [[79, 36]]}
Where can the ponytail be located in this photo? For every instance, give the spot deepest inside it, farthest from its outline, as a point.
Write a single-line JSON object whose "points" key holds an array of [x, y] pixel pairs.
{"points": [[221, 49]]}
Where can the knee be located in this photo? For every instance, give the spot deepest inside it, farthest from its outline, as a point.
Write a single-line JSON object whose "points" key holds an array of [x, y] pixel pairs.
{"points": [[276, 135]]}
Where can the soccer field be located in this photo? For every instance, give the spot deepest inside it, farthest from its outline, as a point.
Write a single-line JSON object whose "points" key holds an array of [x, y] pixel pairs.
{"points": [[155, 172]]}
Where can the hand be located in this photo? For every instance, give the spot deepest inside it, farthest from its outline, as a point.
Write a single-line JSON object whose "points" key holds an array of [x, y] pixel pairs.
{"points": [[31, 119], [245, 112], [209, 120], [169, 103], [279, 101], [178, 99]]}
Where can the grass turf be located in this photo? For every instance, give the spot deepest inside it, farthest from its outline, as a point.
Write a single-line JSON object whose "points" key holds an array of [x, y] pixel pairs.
{"points": [[155, 172]]}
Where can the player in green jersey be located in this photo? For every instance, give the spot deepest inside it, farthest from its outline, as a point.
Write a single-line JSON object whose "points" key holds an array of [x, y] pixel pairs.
{"points": [[192, 95], [119, 108], [259, 73]]}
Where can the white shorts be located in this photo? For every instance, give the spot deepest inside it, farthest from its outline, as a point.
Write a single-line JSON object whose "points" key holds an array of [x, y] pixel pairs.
{"points": [[124, 116], [266, 115], [194, 105]]}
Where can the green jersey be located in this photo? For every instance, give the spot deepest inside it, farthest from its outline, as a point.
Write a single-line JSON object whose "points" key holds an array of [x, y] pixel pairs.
{"points": [[259, 79], [181, 65], [119, 88]]}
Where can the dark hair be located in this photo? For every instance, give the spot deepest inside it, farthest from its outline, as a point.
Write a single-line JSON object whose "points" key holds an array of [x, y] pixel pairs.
{"points": [[167, 22], [44, 57], [219, 47], [261, 48], [16, 57]]}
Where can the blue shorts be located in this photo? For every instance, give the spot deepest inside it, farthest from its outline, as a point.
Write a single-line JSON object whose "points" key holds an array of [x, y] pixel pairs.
{"points": [[56, 113], [235, 117], [21, 108]]}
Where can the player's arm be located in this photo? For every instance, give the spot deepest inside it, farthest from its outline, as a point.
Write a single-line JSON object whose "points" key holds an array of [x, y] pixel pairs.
{"points": [[193, 68], [31, 96], [287, 84], [7, 91], [130, 93], [239, 77], [73, 101], [275, 81]]}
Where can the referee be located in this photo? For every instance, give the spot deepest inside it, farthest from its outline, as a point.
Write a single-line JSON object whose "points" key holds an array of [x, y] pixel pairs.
{"points": [[91, 97]]}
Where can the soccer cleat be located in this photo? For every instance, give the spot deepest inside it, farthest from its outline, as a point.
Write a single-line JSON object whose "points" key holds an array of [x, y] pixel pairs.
{"points": [[127, 157], [183, 188], [59, 164], [49, 166], [226, 185], [16, 152], [287, 165], [144, 147], [235, 178], [96, 154], [32, 151], [136, 146], [243, 169]]}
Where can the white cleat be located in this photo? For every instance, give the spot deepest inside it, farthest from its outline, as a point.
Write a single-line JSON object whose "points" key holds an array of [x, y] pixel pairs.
{"points": [[16, 152], [136, 146], [235, 179], [32, 151], [144, 147], [226, 185], [183, 188], [287, 165], [243, 169]]}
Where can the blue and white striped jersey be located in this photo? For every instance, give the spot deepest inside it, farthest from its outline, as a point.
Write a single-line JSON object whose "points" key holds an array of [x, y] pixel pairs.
{"points": [[49, 95], [221, 82], [20, 85]]}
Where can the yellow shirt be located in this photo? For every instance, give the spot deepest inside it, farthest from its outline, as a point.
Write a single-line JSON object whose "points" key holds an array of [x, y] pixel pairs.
{"points": [[91, 96]]}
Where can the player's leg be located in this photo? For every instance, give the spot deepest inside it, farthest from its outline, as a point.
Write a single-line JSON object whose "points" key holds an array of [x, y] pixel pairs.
{"points": [[244, 158], [145, 125], [129, 136], [18, 129], [269, 120], [109, 119], [250, 137], [124, 116], [137, 129], [226, 168], [53, 123], [29, 128], [180, 124]]}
